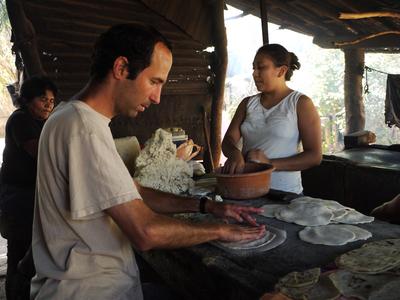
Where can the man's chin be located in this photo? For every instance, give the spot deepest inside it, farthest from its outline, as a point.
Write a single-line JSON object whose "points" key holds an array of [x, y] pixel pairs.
{"points": [[133, 113]]}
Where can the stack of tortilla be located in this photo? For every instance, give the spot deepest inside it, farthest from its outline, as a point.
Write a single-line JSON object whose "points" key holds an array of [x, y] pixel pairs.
{"points": [[309, 285], [322, 218], [371, 272]]}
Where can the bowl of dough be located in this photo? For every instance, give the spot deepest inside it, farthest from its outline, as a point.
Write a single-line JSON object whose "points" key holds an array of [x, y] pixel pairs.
{"points": [[253, 182]]}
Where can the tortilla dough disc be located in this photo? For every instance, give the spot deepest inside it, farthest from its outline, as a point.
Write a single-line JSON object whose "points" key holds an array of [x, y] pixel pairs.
{"points": [[354, 217], [306, 214], [271, 209], [329, 235]]}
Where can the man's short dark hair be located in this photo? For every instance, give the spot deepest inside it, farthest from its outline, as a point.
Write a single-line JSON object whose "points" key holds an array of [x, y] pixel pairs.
{"points": [[134, 41]]}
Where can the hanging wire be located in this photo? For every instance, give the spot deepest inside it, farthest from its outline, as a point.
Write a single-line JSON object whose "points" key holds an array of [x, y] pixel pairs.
{"points": [[366, 87], [369, 69]]}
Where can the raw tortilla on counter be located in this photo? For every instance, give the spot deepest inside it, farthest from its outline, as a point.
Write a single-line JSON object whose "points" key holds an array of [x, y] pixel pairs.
{"points": [[333, 235], [319, 213], [271, 209], [306, 214], [309, 211], [272, 239]]}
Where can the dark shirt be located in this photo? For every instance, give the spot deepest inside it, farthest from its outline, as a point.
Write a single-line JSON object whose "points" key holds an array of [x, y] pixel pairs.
{"points": [[19, 167]]}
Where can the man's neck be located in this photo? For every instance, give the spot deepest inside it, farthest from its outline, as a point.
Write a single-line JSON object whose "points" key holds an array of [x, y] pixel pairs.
{"points": [[98, 96]]}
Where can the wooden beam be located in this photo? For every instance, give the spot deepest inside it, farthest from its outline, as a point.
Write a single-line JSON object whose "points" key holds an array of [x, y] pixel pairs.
{"points": [[219, 67], [264, 20], [353, 100], [365, 15], [24, 39], [367, 37], [379, 43]]}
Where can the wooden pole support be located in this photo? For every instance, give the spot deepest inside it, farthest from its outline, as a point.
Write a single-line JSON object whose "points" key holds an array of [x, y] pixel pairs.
{"points": [[353, 100]]}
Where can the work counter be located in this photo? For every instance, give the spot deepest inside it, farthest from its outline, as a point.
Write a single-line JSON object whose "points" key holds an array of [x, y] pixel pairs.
{"points": [[207, 272]]}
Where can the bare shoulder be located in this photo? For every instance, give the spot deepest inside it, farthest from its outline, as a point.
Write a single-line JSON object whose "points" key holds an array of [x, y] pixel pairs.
{"points": [[304, 100], [305, 104]]}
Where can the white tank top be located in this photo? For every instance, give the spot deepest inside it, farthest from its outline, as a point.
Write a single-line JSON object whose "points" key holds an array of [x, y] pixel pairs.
{"points": [[274, 131]]}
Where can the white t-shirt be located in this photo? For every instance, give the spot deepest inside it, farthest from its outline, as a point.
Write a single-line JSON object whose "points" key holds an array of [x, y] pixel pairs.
{"points": [[79, 252], [276, 133]]}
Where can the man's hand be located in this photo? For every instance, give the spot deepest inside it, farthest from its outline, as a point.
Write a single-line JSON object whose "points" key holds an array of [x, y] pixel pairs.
{"points": [[236, 233], [237, 212], [257, 155]]}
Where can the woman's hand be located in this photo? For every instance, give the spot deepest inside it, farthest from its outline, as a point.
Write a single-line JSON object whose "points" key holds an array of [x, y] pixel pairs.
{"points": [[234, 164], [257, 155]]}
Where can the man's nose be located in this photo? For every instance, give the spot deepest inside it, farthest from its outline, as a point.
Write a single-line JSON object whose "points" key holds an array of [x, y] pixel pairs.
{"points": [[156, 96]]}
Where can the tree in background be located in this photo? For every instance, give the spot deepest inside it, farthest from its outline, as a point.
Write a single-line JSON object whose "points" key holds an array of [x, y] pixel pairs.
{"points": [[8, 72], [321, 77], [375, 99]]}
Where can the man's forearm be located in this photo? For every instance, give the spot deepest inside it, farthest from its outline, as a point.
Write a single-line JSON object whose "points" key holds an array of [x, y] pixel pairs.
{"points": [[174, 233]]}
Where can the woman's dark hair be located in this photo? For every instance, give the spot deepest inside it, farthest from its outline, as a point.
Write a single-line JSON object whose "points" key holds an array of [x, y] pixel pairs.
{"points": [[134, 41], [33, 87], [281, 57]]}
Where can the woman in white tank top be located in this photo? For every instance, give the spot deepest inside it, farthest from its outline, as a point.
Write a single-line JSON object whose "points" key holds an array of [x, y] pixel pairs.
{"points": [[274, 122]]}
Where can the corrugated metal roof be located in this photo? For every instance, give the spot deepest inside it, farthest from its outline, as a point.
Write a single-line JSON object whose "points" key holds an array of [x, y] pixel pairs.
{"points": [[66, 31], [320, 19]]}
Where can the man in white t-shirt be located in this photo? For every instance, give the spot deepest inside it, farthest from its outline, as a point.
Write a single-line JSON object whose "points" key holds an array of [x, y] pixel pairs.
{"points": [[88, 211]]}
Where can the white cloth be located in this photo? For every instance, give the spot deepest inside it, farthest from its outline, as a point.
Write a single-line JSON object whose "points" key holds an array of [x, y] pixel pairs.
{"points": [[79, 252], [274, 131]]}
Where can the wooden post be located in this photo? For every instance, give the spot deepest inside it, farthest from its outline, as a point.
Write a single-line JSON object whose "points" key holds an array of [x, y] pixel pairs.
{"points": [[24, 38], [264, 21], [354, 70], [219, 67]]}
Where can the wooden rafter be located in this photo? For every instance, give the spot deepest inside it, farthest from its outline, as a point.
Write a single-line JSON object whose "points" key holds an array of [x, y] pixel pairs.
{"points": [[365, 15], [367, 37]]}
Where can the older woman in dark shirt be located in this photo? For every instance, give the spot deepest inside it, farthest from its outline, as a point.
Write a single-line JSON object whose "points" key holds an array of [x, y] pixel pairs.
{"points": [[18, 175]]}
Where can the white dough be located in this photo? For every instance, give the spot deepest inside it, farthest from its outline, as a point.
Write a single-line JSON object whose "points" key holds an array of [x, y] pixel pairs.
{"points": [[246, 245], [271, 209], [330, 235], [158, 167], [360, 234], [334, 205], [306, 214], [354, 217]]}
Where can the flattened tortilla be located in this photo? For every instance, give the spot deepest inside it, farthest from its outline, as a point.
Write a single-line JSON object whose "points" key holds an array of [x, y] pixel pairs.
{"points": [[306, 214], [330, 235]]}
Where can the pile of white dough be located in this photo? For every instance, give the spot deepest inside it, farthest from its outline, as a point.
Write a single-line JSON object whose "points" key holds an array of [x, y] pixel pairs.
{"points": [[158, 167], [322, 218]]}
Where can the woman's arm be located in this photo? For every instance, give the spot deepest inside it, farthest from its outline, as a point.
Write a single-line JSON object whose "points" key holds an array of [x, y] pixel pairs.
{"points": [[235, 162], [309, 124]]}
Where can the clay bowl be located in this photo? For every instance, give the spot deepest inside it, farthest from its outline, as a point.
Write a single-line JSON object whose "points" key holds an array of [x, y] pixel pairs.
{"points": [[252, 183]]}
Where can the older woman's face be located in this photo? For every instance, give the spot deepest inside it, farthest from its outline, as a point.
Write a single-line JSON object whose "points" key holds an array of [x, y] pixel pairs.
{"points": [[266, 75], [41, 107]]}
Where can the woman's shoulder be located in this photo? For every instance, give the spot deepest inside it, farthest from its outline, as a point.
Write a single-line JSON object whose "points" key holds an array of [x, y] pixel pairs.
{"points": [[250, 100], [19, 115]]}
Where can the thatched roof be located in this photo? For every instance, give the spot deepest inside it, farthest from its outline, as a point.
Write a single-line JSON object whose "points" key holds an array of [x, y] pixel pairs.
{"points": [[56, 37], [321, 19], [66, 31]]}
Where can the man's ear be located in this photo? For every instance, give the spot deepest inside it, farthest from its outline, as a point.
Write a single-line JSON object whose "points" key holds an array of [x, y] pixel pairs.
{"points": [[120, 68], [282, 71]]}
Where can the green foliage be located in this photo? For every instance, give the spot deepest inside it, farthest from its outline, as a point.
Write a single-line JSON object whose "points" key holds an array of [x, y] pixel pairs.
{"points": [[8, 73]]}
